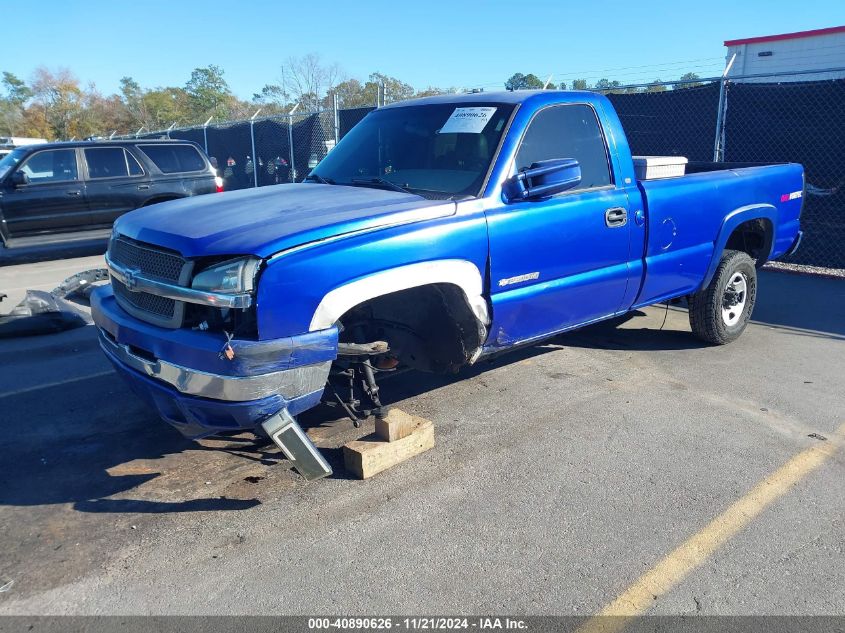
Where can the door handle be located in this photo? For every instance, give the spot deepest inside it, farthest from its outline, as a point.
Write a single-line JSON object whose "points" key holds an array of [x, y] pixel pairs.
{"points": [[615, 217], [142, 187], [74, 193]]}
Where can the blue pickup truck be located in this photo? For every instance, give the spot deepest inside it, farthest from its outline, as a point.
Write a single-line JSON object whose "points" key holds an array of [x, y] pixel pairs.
{"points": [[438, 231]]}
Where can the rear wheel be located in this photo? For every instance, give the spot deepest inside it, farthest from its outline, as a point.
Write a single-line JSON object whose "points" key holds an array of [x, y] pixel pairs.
{"points": [[720, 312]]}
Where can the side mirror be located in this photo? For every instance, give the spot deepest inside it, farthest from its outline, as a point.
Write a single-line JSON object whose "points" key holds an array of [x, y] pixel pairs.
{"points": [[543, 179], [19, 179]]}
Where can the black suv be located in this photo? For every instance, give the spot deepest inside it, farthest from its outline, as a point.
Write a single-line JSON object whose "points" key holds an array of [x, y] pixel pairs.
{"points": [[65, 191]]}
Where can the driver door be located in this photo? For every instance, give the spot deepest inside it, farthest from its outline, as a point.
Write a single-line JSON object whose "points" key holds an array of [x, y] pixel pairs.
{"points": [[563, 261], [53, 198]]}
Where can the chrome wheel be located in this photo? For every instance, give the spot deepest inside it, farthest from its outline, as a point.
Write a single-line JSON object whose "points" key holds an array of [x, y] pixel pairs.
{"points": [[734, 298]]}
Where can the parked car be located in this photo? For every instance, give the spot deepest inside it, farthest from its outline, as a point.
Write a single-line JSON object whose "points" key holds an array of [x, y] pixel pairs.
{"points": [[63, 190], [438, 232]]}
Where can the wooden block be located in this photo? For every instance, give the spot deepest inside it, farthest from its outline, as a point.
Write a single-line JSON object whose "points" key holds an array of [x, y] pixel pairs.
{"points": [[371, 455], [395, 425]]}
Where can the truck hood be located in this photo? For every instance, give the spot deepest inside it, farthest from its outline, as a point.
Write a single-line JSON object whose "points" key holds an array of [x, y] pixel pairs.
{"points": [[268, 220]]}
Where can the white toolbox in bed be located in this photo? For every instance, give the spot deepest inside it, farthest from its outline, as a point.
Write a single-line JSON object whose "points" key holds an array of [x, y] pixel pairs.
{"points": [[651, 167]]}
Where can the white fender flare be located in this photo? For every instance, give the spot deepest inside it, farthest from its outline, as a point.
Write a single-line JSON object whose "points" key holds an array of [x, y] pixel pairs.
{"points": [[458, 272]]}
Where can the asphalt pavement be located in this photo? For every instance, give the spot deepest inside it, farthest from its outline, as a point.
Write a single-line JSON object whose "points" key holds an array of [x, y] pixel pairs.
{"points": [[620, 461]]}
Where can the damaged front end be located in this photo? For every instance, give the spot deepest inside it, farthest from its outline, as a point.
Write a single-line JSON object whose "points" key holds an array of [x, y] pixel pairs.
{"points": [[182, 333], [201, 390]]}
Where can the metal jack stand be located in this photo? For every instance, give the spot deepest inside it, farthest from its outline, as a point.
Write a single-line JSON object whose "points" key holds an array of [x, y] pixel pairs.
{"points": [[285, 431]]}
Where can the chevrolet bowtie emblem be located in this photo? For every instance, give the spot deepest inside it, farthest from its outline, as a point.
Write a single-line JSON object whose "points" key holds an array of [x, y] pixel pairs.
{"points": [[130, 278]]}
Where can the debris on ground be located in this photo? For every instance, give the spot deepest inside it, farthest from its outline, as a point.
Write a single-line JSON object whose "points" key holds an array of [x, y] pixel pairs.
{"points": [[80, 283], [43, 312]]}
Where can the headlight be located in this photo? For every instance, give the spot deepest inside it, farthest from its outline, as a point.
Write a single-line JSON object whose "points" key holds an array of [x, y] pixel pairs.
{"points": [[235, 276]]}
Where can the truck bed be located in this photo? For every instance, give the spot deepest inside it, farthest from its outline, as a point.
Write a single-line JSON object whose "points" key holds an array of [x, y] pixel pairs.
{"points": [[686, 217]]}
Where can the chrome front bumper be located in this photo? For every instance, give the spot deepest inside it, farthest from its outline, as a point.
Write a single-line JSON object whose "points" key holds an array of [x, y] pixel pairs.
{"points": [[288, 383]]}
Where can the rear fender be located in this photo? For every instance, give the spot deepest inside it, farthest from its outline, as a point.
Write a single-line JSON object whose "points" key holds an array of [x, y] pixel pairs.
{"points": [[731, 222]]}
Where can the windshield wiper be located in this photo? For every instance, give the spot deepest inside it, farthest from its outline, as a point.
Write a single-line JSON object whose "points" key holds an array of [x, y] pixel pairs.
{"points": [[384, 182], [320, 179]]}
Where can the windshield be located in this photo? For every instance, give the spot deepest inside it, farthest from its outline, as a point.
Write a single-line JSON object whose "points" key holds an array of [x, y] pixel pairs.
{"points": [[10, 160], [437, 151]]}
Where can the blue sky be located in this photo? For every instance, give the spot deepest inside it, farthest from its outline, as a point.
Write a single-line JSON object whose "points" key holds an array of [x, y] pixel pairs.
{"points": [[460, 44]]}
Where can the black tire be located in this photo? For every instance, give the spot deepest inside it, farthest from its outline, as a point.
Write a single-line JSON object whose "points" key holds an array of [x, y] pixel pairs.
{"points": [[706, 306]]}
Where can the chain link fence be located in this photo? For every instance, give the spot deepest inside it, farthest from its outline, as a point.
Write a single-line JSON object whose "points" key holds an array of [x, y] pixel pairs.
{"points": [[768, 121], [803, 123], [774, 119]]}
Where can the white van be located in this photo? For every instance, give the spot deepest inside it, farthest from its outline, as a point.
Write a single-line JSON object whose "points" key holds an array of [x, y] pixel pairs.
{"points": [[8, 143]]}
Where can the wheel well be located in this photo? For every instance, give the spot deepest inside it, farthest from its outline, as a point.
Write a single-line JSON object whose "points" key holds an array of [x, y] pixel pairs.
{"points": [[159, 199], [753, 237], [430, 327]]}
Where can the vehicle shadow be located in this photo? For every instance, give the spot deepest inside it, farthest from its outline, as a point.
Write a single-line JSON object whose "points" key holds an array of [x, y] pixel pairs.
{"points": [[807, 304], [662, 328], [804, 305], [90, 442], [63, 449]]}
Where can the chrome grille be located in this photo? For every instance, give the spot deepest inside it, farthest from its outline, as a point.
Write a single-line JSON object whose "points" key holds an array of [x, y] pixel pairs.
{"points": [[148, 260], [159, 306], [152, 262]]}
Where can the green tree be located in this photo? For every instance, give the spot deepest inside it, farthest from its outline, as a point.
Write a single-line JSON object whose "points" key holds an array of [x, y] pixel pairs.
{"points": [[15, 95], [165, 106], [393, 89], [688, 77], [579, 84], [101, 115], [17, 92], [432, 91], [656, 86], [606, 85], [130, 90], [272, 98], [518, 81], [132, 96], [208, 93], [60, 98], [352, 94]]}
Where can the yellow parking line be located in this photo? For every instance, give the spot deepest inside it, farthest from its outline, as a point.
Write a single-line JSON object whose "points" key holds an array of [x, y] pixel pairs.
{"points": [[47, 385], [687, 557]]}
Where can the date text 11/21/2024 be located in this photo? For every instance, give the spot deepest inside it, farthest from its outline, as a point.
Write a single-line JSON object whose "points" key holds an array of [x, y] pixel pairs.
{"points": [[418, 623]]}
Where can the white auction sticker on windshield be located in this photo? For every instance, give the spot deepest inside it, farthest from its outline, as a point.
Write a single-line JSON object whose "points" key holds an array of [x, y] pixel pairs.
{"points": [[467, 120]]}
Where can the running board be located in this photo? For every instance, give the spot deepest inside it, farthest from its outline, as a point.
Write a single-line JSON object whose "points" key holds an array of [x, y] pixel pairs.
{"points": [[57, 239], [19, 250]]}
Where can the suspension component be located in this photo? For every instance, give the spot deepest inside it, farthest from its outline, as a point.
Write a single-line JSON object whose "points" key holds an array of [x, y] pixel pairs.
{"points": [[352, 380]]}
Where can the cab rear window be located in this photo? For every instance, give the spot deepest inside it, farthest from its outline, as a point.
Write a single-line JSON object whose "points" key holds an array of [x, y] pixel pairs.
{"points": [[171, 159]]}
